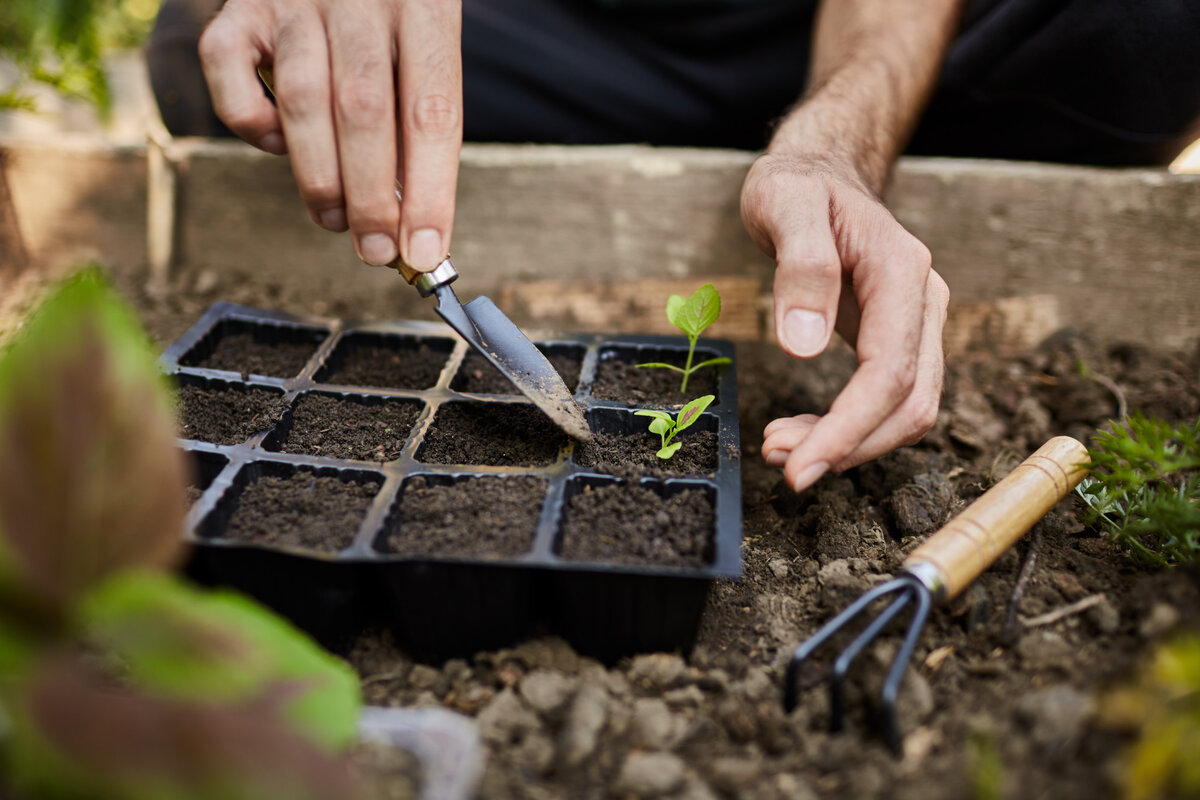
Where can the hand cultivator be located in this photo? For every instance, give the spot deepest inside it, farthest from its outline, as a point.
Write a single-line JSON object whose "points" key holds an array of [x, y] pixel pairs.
{"points": [[943, 566]]}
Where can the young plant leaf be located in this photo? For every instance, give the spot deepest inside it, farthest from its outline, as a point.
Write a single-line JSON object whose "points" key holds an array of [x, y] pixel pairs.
{"points": [[220, 646], [660, 426], [92, 480], [691, 412], [661, 365], [711, 362], [700, 310], [669, 450], [676, 311]]}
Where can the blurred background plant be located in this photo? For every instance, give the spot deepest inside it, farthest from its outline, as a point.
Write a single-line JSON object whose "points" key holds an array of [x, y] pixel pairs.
{"points": [[61, 44], [118, 678]]}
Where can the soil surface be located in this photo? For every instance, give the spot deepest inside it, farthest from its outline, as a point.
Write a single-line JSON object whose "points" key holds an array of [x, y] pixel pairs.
{"points": [[618, 454], [476, 374], [623, 523], [343, 427], [395, 364], [245, 353], [474, 517], [226, 416], [617, 379], [301, 510], [492, 434], [990, 682]]}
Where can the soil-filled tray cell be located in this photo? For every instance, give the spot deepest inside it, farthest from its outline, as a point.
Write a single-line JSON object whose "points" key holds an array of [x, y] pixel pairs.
{"points": [[492, 434], [223, 412], [623, 445], [275, 351], [282, 505], [350, 427], [482, 516], [386, 361], [204, 468], [477, 376], [645, 523], [618, 376]]}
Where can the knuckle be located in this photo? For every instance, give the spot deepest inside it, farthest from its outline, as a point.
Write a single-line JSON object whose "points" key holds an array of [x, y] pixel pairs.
{"points": [[362, 102], [435, 116], [320, 191], [924, 417], [217, 41], [300, 91]]}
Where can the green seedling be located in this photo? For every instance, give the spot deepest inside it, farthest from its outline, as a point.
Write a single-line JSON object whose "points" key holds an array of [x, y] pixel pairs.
{"points": [[668, 428], [1144, 489], [692, 316]]}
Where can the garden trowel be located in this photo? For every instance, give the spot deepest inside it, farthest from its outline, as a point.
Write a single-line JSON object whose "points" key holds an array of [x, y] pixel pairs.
{"points": [[492, 334]]}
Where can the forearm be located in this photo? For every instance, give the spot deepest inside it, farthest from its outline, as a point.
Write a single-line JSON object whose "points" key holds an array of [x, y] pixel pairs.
{"points": [[874, 65]]}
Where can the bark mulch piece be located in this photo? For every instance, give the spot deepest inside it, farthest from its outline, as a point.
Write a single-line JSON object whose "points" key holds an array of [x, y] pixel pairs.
{"points": [[226, 416], [349, 428], [484, 516], [492, 434]]}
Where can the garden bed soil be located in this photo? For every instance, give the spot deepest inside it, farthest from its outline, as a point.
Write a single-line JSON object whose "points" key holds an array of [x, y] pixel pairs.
{"points": [[386, 362], [245, 353], [624, 523], [623, 380], [226, 415], [980, 691], [349, 428], [315, 512], [492, 434], [476, 375], [475, 517]]}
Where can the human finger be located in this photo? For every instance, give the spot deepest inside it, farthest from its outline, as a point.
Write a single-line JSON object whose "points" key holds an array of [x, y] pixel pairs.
{"points": [[364, 89], [302, 92], [231, 48], [430, 111]]}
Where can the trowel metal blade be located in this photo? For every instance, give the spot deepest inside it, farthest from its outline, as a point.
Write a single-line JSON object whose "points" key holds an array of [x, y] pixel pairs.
{"points": [[492, 334]]}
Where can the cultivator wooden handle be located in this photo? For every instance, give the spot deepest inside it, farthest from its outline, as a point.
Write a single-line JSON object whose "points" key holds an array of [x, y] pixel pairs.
{"points": [[949, 560]]}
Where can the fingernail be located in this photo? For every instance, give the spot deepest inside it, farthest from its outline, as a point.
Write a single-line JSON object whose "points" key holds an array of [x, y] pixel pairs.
{"points": [[377, 249], [777, 458], [425, 249], [804, 331], [273, 143], [810, 475], [333, 219]]}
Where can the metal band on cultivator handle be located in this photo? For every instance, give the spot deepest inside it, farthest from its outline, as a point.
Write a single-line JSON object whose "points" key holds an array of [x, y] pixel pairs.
{"points": [[943, 566]]}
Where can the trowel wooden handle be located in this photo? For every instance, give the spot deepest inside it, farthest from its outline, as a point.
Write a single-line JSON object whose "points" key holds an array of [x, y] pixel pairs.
{"points": [[973, 540]]}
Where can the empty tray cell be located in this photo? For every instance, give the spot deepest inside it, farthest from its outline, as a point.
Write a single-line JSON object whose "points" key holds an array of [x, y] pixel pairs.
{"points": [[386, 361], [283, 505], [477, 376], [222, 412], [355, 427], [618, 376], [276, 351], [493, 434], [204, 469], [646, 524], [480, 516], [622, 444]]}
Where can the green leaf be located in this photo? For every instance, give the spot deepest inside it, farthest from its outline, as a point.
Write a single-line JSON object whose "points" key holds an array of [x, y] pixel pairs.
{"points": [[92, 480], [661, 426], [669, 450], [178, 641], [675, 311], [700, 310], [661, 365], [691, 412], [712, 362], [645, 412]]}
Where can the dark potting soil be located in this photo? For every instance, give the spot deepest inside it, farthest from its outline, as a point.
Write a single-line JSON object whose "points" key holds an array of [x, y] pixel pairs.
{"points": [[226, 416], [487, 516], [242, 352], [301, 510], [477, 376], [635, 455], [341, 427], [492, 434], [624, 523], [396, 367], [625, 381]]}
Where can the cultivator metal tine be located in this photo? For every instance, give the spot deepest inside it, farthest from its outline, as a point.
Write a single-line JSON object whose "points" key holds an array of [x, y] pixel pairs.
{"points": [[891, 686], [841, 665]]}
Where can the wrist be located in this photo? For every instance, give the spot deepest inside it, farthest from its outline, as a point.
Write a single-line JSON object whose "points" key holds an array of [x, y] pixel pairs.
{"points": [[839, 137]]}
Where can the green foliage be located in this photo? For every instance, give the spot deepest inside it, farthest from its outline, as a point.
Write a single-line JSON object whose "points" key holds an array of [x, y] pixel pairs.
{"points": [[667, 427], [60, 43], [984, 768], [1144, 489], [1162, 707], [692, 316]]}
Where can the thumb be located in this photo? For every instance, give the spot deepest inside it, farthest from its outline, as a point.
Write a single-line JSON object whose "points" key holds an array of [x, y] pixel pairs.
{"points": [[808, 283]]}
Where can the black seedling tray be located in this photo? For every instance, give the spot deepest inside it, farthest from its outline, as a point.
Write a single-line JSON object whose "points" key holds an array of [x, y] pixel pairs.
{"points": [[441, 606]]}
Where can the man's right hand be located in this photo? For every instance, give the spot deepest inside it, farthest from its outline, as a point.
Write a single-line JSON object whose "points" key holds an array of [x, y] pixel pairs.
{"points": [[344, 72]]}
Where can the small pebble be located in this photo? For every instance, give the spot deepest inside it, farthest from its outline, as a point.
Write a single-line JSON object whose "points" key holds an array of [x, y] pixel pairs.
{"points": [[779, 567], [1161, 620], [651, 774], [656, 671]]}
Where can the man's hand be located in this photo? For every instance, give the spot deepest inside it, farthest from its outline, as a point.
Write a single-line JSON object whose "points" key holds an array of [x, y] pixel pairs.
{"points": [[345, 71], [844, 263]]}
